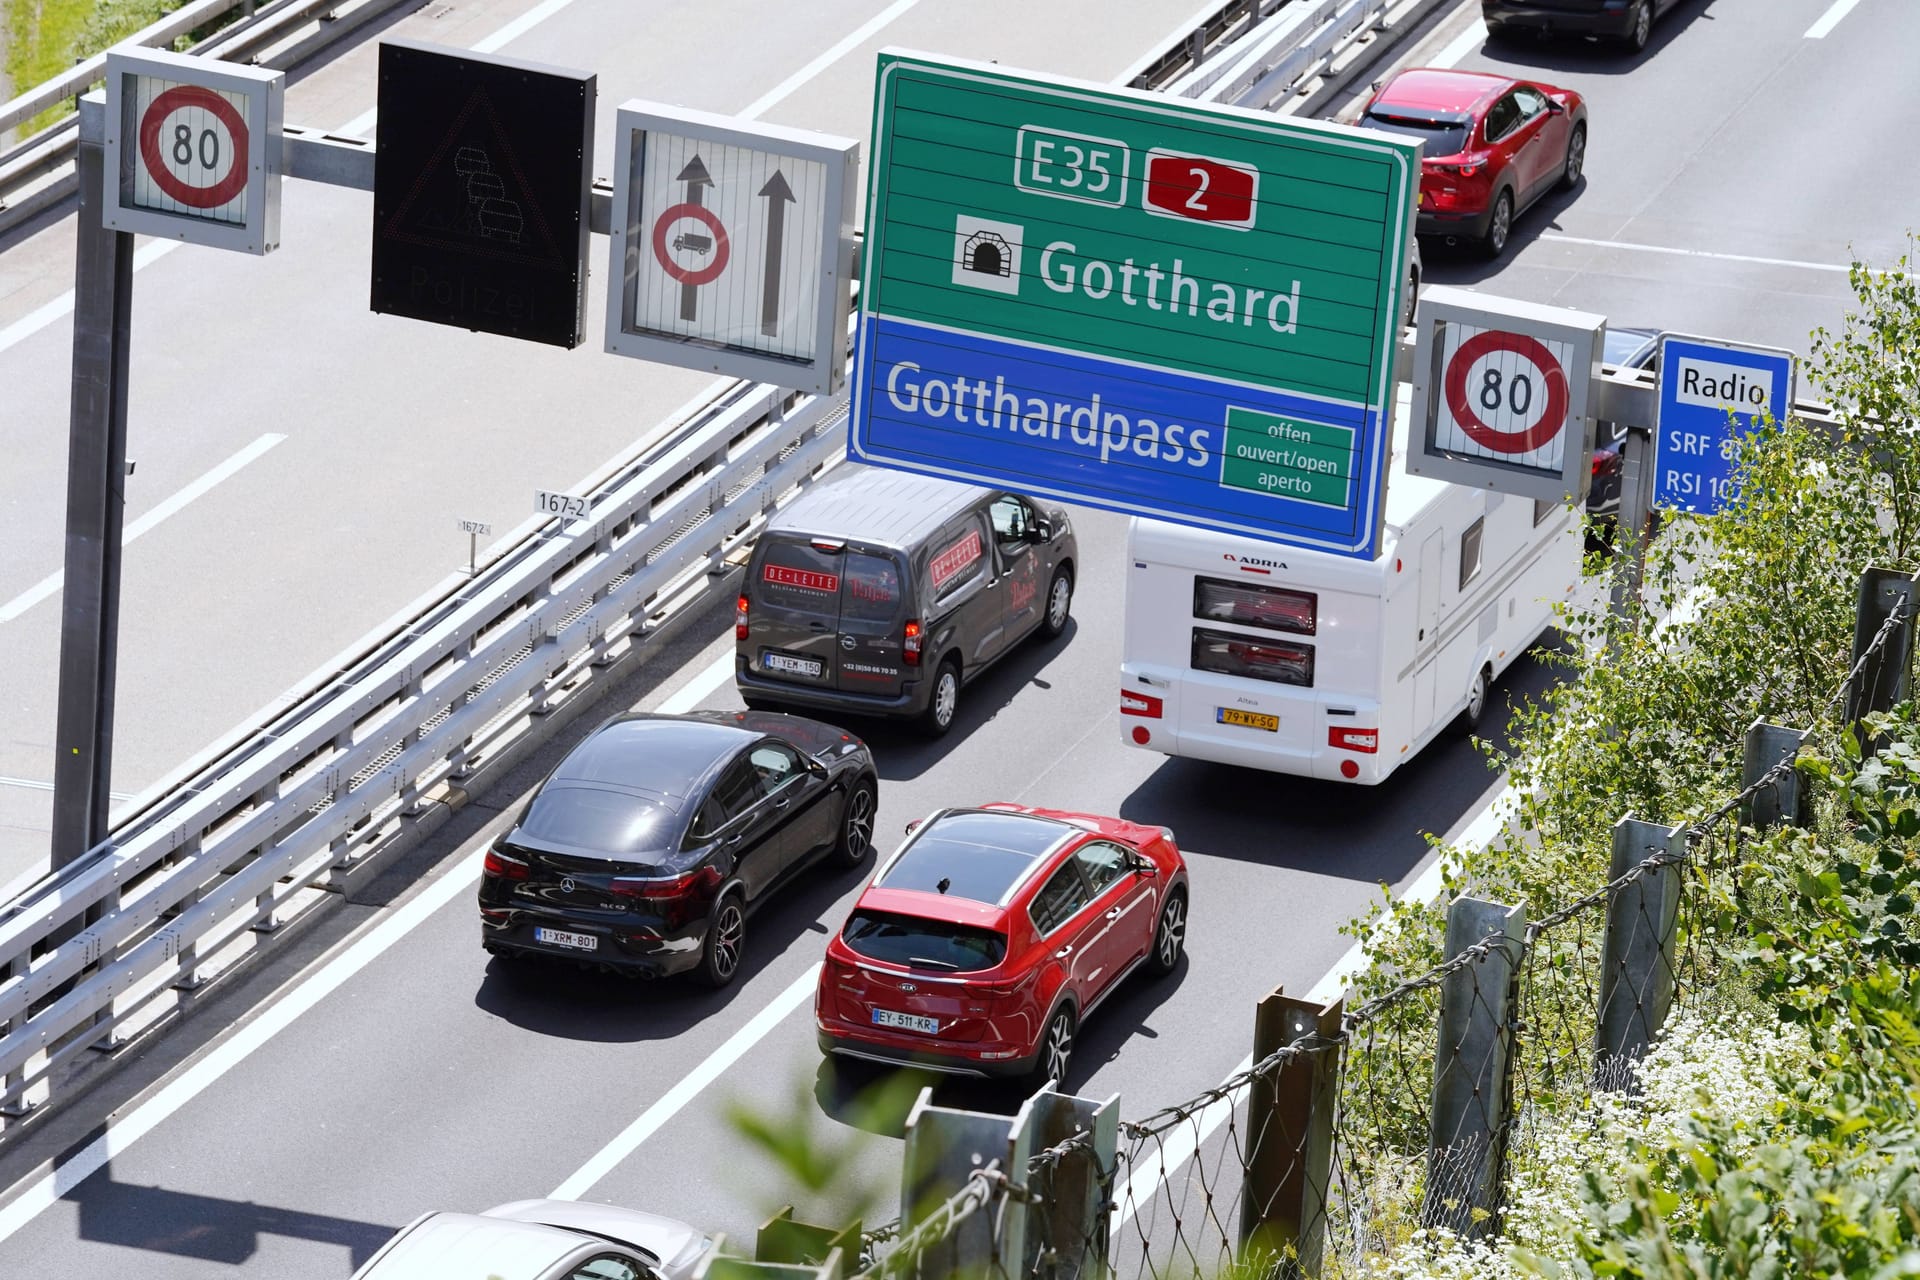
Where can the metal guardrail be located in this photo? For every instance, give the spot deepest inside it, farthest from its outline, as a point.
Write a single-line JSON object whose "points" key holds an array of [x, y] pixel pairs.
{"points": [[249, 833], [270, 33]]}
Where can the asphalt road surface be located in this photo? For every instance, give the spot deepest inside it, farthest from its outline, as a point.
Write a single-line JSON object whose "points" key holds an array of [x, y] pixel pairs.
{"points": [[401, 1071]]}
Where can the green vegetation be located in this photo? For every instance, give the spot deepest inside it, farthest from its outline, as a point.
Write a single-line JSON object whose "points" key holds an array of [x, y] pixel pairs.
{"points": [[1773, 1132], [45, 37]]}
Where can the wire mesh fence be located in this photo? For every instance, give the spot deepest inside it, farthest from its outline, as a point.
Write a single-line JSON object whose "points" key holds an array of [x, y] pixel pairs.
{"points": [[1366, 1129]]}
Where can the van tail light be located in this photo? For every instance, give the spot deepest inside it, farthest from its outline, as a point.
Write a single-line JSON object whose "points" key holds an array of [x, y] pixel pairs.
{"points": [[503, 866], [740, 618], [1135, 703], [910, 640], [1365, 741]]}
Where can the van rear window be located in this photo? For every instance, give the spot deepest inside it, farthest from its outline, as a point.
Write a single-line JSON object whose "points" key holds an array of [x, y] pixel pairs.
{"points": [[1226, 654], [796, 575], [923, 944], [871, 592], [1251, 605]]}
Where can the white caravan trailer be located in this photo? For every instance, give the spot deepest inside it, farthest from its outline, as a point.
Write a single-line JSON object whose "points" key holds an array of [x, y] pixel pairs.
{"points": [[1252, 653]]}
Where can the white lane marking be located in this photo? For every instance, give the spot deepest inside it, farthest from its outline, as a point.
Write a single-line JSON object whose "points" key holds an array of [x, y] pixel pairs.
{"points": [[1695, 253], [34, 784], [695, 691], [1463, 44], [853, 39], [40, 317], [280, 1015], [1180, 1145], [358, 126], [1830, 19], [51, 583], [271, 1022], [689, 1086]]}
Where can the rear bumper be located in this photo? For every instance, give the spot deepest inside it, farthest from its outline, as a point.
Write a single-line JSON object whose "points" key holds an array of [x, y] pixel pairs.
{"points": [[1471, 224], [911, 701], [842, 1039], [1535, 17], [643, 952]]}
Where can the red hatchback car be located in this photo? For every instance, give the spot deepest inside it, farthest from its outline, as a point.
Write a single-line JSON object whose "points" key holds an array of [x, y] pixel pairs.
{"points": [[1494, 145], [990, 936]]}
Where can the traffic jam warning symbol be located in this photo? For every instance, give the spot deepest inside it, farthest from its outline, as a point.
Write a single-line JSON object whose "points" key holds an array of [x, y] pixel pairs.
{"points": [[193, 150]]}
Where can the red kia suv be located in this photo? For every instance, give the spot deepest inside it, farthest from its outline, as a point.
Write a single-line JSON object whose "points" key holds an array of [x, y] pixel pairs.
{"points": [[991, 935], [1494, 145]]}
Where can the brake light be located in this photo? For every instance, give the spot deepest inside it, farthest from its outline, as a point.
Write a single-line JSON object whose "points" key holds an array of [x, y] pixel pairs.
{"points": [[740, 619], [910, 643], [678, 899], [1133, 703], [1365, 741], [1467, 166], [503, 866]]}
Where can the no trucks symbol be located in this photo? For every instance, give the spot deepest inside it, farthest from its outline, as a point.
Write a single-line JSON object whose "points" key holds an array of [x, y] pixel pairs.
{"points": [[689, 240]]}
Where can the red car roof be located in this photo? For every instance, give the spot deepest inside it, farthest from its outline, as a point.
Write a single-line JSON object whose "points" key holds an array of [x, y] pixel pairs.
{"points": [[1432, 89]]}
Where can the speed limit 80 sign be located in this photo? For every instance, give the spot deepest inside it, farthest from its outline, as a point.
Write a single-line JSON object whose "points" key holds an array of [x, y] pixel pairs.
{"points": [[193, 149], [1500, 394]]}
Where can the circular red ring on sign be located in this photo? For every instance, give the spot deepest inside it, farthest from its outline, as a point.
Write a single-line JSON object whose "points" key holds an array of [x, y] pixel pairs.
{"points": [[721, 249], [174, 99], [1535, 353]]}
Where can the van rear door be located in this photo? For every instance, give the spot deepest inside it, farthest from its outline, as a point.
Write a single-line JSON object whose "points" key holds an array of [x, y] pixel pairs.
{"points": [[793, 610], [873, 617]]}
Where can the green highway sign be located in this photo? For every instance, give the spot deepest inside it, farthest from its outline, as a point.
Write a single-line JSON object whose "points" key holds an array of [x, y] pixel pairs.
{"points": [[1158, 306]]}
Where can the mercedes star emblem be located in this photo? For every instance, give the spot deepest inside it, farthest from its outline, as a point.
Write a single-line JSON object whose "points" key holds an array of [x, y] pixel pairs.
{"points": [[567, 885]]}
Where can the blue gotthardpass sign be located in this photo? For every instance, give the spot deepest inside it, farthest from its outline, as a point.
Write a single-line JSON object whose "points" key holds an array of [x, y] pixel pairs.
{"points": [[1712, 395]]}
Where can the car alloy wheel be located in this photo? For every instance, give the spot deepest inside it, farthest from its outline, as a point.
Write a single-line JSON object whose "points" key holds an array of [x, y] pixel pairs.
{"points": [[856, 828], [1056, 1051], [726, 938], [1500, 225], [1171, 935], [1576, 156], [1642, 26], [1059, 601], [945, 702]]}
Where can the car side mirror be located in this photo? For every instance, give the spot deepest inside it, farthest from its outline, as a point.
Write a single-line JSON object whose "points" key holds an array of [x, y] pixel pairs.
{"points": [[1554, 108], [1042, 531], [1141, 864], [914, 825]]}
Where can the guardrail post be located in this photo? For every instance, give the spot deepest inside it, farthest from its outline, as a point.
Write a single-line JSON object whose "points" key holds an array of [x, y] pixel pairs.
{"points": [[1881, 681], [1068, 1229], [13, 1101], [1472, 1061], [1637, 967], [719, 1266], [944, 1148], [783, 1240], [1283, 1206], [1785, 799]]}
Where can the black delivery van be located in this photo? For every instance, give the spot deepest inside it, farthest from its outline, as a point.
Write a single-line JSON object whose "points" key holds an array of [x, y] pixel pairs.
{"points": [[883, 593]]}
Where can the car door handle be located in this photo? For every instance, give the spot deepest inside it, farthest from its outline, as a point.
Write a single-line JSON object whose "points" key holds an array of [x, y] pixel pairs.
{"points": [[818, 626], [1063, 952], [1114, 914], [783, 802]]}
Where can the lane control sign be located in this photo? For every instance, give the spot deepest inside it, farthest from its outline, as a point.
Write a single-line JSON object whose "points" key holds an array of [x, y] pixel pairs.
{"points": [[1160, 307], [732, 246], [1501, 392], [1712, 395], [193, 150]]}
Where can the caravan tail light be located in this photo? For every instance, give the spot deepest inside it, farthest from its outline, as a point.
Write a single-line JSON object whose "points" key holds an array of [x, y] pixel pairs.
{"points": [[740, 619], [1365, 741], [910, 643], [1133, 703]]}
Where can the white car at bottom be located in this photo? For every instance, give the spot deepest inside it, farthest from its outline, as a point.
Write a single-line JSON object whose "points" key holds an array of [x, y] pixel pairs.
{"points": [[541, 1240]]}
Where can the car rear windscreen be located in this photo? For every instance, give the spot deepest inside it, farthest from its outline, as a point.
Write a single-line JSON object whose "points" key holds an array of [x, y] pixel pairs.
{"points": [[923, 944], [598, 820], [1444, 136], [870, 589]]}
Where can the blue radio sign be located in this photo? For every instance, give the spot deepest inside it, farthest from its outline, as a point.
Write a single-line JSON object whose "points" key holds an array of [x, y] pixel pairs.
{"points": [[1712, 396]]}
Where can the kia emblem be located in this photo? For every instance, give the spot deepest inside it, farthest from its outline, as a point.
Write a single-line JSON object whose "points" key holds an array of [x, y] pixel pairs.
{"points": [[908, 987], [846, 642], [567, 885]]}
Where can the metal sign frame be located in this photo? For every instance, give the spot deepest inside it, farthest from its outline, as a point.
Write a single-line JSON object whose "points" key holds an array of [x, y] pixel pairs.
{"points": [[263, 91], [1066, 384], [1583, 332], [822, 373], [1656, 498]]}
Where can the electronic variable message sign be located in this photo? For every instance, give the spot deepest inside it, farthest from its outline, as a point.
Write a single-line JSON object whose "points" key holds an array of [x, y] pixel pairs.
{"points": [[1161, 307], [481, 187]]}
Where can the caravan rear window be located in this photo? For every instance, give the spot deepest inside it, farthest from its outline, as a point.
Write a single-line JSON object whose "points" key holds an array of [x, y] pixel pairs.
{"points": [[1226, 654], [1250, 605]]}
